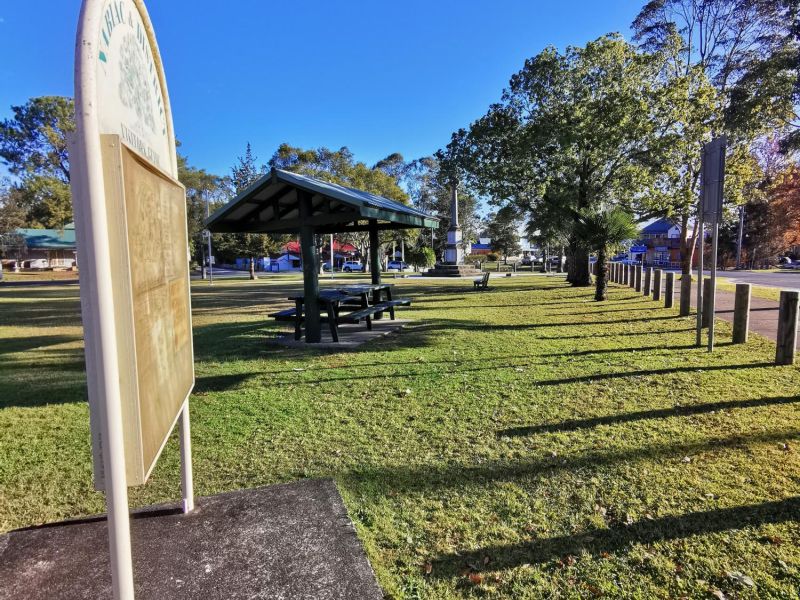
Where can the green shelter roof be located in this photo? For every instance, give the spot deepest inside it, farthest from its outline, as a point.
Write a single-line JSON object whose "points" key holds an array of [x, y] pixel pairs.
{"points": [[272, 205], [49, 239]]}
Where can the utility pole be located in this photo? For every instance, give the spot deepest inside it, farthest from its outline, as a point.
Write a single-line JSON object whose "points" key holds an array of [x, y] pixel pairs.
{"points": [[208, 234], [739, 237]]}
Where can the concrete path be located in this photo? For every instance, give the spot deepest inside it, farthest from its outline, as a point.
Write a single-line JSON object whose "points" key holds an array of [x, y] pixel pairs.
{"points": [[283, 541]]}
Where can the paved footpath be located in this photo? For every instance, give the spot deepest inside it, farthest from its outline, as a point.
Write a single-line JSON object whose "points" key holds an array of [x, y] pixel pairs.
{"points": [[763, 313]]}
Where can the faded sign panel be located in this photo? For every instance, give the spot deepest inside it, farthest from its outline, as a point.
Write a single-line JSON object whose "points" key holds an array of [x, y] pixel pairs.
{"points": [[155, 208], [147, 231]]}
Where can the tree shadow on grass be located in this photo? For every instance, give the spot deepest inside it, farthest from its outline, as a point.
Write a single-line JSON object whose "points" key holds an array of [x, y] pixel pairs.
{"points": [[221, 383], [33, 342], [651, 372], [425, 477], [619, 537], [663, 413]]}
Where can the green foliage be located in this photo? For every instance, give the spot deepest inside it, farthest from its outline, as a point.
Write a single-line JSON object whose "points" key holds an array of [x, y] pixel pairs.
{"points": [[34, 148], [502, 229], [340, 167], [492, 257], [573, 131], [421, 257], [252, 246], [430, 191], [603, 231]]}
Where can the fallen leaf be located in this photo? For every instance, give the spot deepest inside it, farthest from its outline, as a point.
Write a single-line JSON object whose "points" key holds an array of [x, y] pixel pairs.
{"points": [[486, 560], [686, 459], [740, 578], [476, 578], [427, 568], [719, 594]]}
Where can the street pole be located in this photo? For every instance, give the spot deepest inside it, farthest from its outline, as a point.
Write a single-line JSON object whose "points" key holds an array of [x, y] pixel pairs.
{"points": [[210, 266], [711, 301], [739, 238], [333, 260]]}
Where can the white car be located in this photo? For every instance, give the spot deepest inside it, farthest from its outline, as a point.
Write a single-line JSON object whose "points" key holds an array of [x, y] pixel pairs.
{"points": [[350, 266]]}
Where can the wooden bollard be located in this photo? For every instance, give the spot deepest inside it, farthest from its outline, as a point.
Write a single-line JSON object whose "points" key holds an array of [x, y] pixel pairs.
{"points": [[787, 327], [648, 281], [625, 273], [708, 293], [657, 284], [632, 275], [686, 295], [741, 313], [669, 291], [638, 287]]}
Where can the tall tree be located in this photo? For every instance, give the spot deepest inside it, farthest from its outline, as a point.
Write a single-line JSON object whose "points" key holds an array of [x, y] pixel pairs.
{"points": [[573, 131], [503, 229], [251, 245], [430, 190], [33, 146], [204, 192], [709, 47]]}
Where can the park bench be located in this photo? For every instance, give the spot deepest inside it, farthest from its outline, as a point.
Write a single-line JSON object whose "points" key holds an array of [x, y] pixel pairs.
{"points": [[363, 314], [482, 282]]}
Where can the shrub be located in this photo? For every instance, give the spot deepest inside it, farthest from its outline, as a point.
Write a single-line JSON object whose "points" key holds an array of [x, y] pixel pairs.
{"points": [[492, 257]]}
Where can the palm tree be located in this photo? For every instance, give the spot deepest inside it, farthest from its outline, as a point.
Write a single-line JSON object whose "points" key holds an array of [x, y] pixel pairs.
{"points": [[603, 231]]}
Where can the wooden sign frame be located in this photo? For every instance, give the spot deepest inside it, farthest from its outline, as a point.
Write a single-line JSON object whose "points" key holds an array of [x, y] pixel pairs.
{"points": [[150, 278]]}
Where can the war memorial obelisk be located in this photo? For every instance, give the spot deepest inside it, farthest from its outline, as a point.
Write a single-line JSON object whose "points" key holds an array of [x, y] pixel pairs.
{"points": [[453, 265]]}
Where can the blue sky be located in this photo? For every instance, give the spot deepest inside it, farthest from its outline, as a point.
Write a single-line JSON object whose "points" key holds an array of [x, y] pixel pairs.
{"points": [[378, 77]]}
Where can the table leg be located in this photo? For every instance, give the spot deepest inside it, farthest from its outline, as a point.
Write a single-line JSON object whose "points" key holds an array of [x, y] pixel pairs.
{"points": [[331, 310], [298, 319], [376, 299]]}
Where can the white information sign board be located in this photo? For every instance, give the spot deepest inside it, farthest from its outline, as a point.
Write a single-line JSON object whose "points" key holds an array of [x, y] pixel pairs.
{"points": [[134, 280]]}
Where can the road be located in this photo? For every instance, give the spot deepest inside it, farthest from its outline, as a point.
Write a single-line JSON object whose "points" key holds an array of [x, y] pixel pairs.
{"points": [[782, 280]]}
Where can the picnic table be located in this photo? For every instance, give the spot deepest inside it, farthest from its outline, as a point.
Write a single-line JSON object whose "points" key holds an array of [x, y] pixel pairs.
{"points": [[332, 301]]}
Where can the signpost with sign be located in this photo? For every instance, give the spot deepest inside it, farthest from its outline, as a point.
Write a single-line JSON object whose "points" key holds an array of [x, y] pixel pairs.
{"points": [[131, 230], [710, 211]]}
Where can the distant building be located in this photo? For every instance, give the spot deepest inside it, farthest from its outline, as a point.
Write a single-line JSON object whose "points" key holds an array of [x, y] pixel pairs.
{"points": [[42, 248], [482, 246], [662, 238]]}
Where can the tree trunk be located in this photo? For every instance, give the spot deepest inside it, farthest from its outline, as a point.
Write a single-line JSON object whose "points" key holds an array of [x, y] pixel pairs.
{"points": [[580, 268], [252, 267], [601, 282]]}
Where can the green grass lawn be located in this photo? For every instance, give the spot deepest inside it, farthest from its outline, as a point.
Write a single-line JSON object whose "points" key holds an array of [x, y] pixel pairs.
{"points": [[524, 442]]}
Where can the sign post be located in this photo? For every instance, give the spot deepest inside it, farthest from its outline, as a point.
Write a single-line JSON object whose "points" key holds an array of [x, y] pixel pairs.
{"points": [[131, 228], [713, 183]]}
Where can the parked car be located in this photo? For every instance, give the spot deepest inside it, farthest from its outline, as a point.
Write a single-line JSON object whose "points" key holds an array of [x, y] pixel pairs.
{"points": [[350, 266], [397, 264], [37, 263], [526, 261], [326, 266], [787, 263]]}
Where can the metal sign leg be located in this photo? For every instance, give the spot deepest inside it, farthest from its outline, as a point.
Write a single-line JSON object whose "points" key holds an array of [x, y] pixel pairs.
{"points": [[187, 481]]}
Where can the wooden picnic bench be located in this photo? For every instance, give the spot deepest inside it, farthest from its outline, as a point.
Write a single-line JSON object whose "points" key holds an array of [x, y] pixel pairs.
{"points": [[331, 301], [482, 282]]}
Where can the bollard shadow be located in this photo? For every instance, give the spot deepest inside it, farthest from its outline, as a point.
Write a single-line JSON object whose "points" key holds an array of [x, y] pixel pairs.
{"points": [[664, 413], [619, 537]]}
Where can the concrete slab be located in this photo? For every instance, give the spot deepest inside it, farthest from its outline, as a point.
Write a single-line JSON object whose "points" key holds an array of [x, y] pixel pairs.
{"points": [[278, 542], [351, 335]]}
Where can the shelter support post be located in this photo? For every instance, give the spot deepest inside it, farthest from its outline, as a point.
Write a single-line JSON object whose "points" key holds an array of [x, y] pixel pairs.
{"points": [[374, 262], [657, 274], [308, 250]]}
